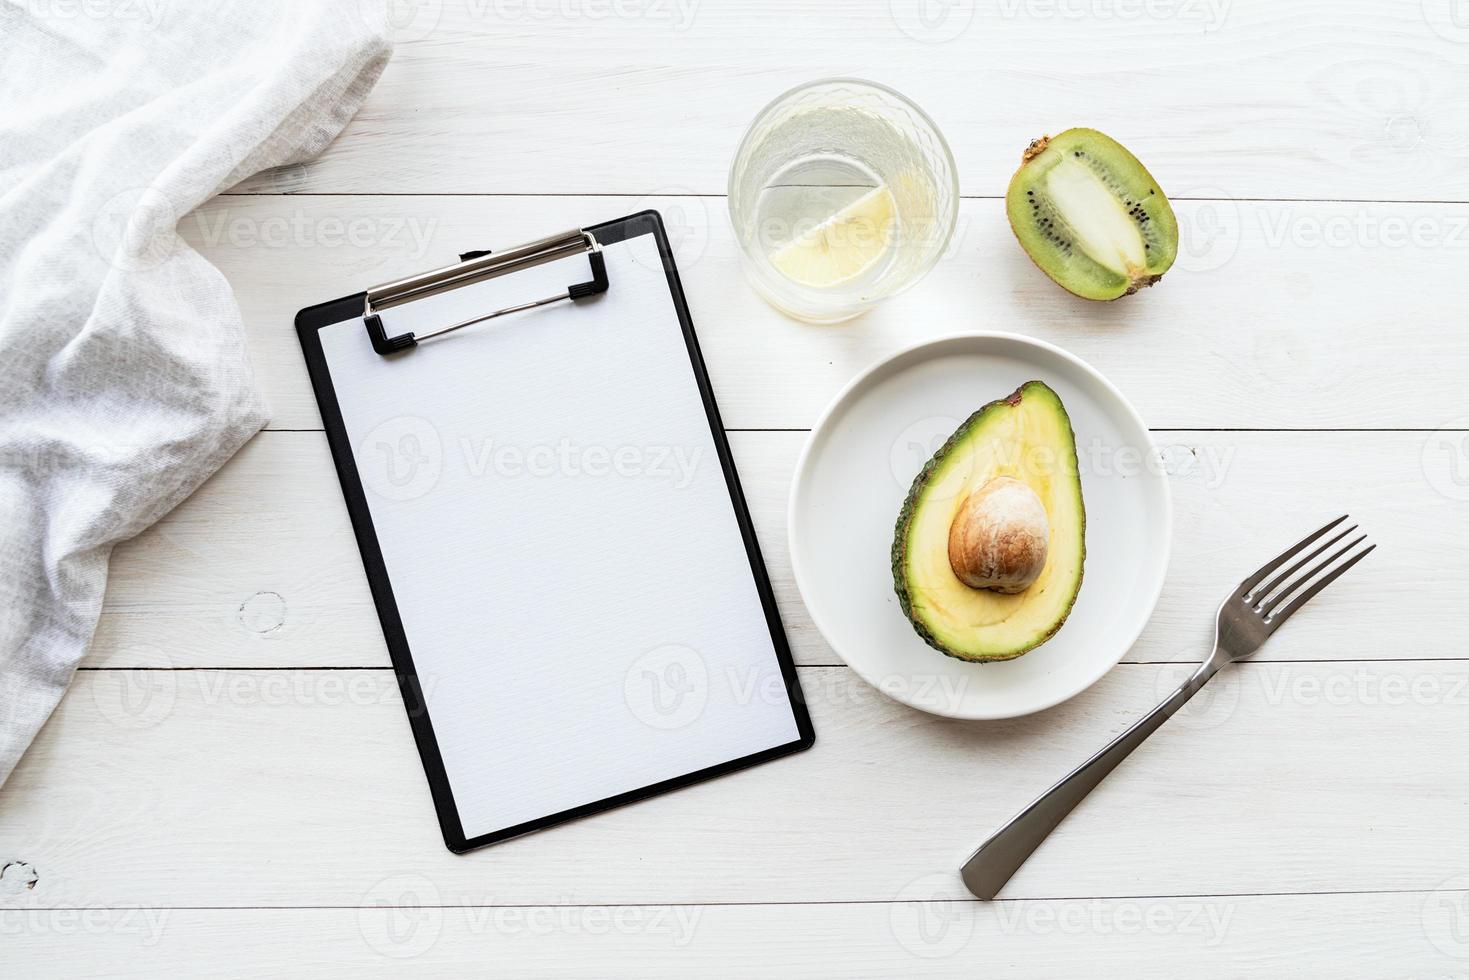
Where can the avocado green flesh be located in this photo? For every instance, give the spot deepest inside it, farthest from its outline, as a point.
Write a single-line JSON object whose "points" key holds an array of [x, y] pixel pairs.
{"points": [[1091, 216], [1028, 437]]}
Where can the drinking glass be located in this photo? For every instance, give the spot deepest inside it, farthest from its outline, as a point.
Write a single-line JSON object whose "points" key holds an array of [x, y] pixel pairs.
{"points": [[842, 193]]}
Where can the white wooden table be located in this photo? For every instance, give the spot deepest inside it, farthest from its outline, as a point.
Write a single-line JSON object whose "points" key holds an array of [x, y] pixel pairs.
{"points": [[230, 787]]}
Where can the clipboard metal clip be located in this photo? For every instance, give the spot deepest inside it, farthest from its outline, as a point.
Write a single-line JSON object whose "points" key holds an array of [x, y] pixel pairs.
{"points": [[475, 268]]}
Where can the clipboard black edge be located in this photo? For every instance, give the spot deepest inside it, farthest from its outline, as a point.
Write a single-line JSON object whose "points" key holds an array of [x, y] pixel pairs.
{"points": [[309, 322]]}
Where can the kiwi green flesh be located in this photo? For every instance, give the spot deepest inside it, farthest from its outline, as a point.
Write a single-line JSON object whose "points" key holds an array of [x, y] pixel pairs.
{"points": [[1091, 216]]}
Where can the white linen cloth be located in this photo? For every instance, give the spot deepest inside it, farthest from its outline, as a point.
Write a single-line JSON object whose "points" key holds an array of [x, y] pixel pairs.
{"points": [[124, 381]]}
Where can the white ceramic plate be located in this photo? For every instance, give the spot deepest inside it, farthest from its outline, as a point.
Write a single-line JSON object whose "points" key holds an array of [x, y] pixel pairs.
{"points": [[855, 473]]}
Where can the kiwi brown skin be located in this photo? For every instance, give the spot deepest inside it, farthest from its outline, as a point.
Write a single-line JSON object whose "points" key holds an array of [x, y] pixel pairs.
{"points": [[1038, 146]]}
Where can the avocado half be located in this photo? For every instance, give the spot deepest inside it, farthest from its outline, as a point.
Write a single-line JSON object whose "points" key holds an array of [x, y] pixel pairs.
{"points": [[1026, 435]]}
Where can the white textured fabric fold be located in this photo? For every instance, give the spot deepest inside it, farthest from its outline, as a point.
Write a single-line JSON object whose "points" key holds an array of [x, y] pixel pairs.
{"points": [[124, 381]]}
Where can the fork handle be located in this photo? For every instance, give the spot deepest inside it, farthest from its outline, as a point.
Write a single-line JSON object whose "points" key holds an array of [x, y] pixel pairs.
{"points": [[998, 858]]}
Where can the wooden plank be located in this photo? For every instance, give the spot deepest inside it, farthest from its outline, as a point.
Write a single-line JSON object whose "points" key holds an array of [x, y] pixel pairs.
{"points": [[259, 567], [1318, 935], [1354, 99], [1280, 315], [302, 788]]}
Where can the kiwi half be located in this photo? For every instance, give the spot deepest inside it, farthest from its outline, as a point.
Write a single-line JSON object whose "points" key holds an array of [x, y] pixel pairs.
{"points": [[1091, 216]]}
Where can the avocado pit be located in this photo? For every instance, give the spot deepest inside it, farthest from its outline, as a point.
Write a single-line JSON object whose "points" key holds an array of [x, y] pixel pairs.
{"points": [[999, 537]]}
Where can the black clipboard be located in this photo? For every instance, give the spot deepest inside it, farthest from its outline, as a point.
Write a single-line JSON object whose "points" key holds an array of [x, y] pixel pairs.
{"points": [[360, 306]]}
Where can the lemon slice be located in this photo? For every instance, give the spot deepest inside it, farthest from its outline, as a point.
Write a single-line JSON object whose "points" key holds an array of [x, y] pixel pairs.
{"points": [[843, 246]]}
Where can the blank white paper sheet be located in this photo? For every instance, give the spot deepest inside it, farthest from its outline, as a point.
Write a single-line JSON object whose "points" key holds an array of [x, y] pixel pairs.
{"points": [[561, 542]]}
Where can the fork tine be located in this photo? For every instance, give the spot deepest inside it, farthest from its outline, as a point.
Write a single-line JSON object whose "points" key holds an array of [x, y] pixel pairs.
{"points": [[1285, 593], [1310, 593], [1264, 591], [1289, 553]]}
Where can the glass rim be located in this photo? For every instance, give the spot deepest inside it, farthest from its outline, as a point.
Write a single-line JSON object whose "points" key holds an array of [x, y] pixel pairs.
{"points": [[861, 83]]}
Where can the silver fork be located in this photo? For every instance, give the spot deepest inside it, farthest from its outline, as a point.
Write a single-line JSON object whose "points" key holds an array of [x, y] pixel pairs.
{"points": [[1246, 620]]}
